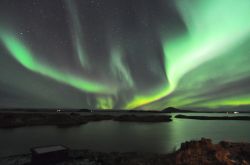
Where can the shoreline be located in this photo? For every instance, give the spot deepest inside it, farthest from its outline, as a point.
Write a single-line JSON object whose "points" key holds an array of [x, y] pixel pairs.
{"points": [[191, 152], [69, 119], [247, 118], [14, 120]]}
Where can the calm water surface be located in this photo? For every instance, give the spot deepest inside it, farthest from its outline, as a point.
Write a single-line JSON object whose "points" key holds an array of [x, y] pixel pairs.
{"points": [[111, 136]]}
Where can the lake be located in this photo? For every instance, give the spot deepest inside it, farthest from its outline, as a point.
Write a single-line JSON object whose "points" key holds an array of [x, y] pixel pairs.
{"points": [[108, 136]]}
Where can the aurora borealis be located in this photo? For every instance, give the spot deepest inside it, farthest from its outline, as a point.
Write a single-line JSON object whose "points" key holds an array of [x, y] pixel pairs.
{"points": [[125, 54]]}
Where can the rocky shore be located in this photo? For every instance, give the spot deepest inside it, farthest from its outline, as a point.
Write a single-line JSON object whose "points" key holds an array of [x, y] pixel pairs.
{"points": [[12, 120], [190, 153]]}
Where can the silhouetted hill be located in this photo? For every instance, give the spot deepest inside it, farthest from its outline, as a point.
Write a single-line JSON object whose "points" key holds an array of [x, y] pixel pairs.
{"points": [[175, 110]]}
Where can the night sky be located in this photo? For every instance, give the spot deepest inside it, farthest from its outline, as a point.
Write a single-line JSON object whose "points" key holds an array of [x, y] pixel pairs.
{"points": [[125, 54]]}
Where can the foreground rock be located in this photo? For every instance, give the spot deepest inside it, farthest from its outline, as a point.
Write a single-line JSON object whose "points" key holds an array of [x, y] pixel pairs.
{"points": [[12, 120], [213, 117], [204, 152], [190, 153]]}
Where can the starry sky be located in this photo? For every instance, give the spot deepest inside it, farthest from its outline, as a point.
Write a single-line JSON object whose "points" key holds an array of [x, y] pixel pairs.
{"points": [[125, 54]]}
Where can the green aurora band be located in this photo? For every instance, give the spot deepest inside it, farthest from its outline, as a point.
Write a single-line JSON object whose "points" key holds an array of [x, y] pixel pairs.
{"points": [[76, 32], [210, 52], [24, 56], [214, 29]]}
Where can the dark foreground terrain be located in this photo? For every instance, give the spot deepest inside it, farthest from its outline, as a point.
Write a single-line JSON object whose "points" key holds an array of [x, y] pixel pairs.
{"points": [[190, 153], [12, 120]]}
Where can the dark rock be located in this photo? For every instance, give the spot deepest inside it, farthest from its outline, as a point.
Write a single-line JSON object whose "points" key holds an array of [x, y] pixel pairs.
{"points": [[190, 153]]}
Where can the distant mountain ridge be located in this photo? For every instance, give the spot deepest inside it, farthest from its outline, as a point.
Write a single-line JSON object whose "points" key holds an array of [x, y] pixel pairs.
{"points": [[175, 110]]}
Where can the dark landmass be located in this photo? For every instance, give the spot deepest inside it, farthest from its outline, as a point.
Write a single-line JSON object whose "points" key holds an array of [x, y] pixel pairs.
{"points": [[175, 110], [12, 120], [190, 153], [213, 117], [146, 118], [41, 110]]}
